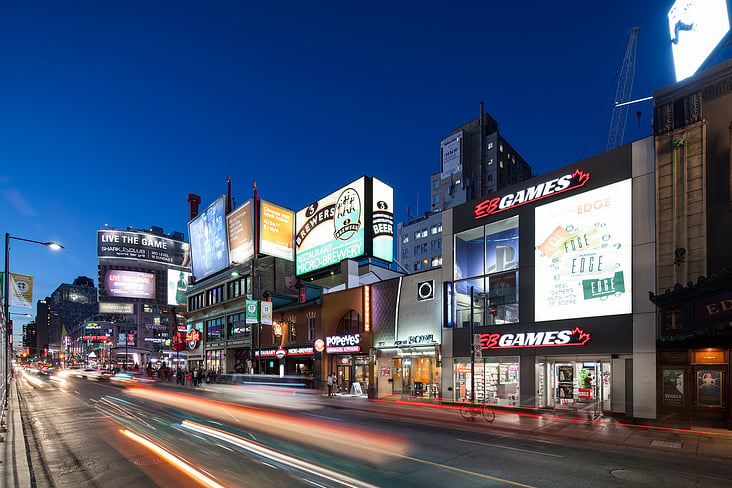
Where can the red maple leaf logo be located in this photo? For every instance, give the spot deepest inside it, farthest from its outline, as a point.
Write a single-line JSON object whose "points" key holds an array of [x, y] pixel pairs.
{"points": [[582, 336]]}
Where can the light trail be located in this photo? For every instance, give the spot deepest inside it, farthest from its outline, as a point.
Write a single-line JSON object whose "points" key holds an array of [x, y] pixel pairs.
{"points": [[276, 456], [173, 460]]}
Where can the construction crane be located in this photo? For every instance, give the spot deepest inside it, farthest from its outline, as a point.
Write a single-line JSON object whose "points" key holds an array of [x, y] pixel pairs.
{"points": [[622, 93]]}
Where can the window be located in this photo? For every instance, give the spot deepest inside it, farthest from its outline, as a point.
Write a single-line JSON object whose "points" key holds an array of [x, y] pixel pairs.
{"points": [[500, 163], [311, 329], [425, 248], [405, 239], [416, 250], [238, 327], [237, 287], [214, 295], [490, 162], [405, 253], [416, 234], [436, 183], [433, 244], [215, 329], [435, 198], [437, 261], [489, 177], [433, 229], [490, 145], [500, 147], [417, 266], [293, 331]]}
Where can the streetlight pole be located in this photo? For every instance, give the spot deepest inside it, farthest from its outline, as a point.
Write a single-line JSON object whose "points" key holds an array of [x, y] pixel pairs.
{"points": [[8, 332]]}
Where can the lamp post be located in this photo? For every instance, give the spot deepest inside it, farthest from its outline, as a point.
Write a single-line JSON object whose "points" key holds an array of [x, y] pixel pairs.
{"points": [[8, 333]]}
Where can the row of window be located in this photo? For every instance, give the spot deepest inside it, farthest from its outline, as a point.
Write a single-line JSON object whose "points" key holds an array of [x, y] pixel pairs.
{"points": [[425, 263], [232, 289], [235, 327]]}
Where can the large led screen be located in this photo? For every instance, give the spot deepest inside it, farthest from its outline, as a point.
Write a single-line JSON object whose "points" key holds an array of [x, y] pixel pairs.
{"points": [[331, 229], [583, 255], [129, 284], [141, 246], [178, 287], [277, 226], [209, 249], [383, 220], [696, 28], [240, 223]]}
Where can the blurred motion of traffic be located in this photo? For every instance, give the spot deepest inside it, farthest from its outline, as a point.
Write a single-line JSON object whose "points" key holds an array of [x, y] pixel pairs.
{"points": [[571, 328]]}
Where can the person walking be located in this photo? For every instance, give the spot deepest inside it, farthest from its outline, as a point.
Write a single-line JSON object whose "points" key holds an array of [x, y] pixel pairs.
{"points": [[330, 385]]}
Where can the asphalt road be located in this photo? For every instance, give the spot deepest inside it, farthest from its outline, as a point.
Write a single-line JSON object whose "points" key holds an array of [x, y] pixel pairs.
{"points": [[97, 434]]}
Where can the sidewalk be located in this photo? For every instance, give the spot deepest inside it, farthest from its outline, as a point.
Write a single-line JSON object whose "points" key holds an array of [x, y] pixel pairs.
{"points": [[14, 468]]}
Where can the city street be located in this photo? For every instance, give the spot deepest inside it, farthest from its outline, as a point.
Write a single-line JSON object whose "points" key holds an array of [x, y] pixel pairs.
{"points": [[96, 433]]}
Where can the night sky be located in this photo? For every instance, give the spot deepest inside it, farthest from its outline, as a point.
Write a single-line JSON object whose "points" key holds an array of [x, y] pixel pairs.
{"points": [[113, 112]]}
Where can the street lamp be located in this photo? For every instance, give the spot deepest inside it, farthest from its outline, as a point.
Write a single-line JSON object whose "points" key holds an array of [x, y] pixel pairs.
{"points": [[8, 332]]}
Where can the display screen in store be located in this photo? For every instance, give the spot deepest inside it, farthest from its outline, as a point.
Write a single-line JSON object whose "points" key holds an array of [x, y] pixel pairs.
{"points": [[583, 255]]}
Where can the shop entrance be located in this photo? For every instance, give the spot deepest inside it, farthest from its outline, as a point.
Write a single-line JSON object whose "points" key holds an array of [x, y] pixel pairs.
{"points": [[578, 384]]}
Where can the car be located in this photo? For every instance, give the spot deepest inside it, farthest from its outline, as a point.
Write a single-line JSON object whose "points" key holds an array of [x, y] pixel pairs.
{"points": [[130, 379]]}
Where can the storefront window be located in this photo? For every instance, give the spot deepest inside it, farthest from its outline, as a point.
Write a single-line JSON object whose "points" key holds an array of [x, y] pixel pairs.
{"points": [[214, 361], [238, 327], [484, 258], [496, 380], [215, 329]]}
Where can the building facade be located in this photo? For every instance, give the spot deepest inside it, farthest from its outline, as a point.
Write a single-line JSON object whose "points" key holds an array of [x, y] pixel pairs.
{"points": [[546, 289], [693, 134]]}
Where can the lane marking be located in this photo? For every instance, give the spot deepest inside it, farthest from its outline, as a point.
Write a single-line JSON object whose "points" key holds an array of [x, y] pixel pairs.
{"points": [[511, 448]]}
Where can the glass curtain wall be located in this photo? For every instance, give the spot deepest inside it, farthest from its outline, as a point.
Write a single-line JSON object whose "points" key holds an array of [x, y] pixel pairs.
{"points": [[486, 258]]}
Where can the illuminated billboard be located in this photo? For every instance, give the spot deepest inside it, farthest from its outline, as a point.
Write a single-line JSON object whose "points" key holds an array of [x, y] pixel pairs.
{"points": [[209, 247], [696, 28], [129, 284], [240, 223], [141, 246], [331, 229], [277, 227], [383, 220], [583, 255], [177, 287]]}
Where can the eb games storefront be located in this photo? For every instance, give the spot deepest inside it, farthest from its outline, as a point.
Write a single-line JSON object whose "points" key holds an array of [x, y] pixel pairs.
{"points": [[541, 306]]}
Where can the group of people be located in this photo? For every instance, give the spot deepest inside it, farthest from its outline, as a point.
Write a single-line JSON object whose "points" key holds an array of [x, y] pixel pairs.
{"points": [[332, 382], [196, 376]]}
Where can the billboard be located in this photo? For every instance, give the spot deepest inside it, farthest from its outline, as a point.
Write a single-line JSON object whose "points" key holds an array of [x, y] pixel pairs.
{"points": [[331, 229], [116, 308], [178, 287], [383, 220], [450, 155], [696, 28], [129, 284], [277, 227], [240, 223], [141, 246], [583, 255], [209, 246]]}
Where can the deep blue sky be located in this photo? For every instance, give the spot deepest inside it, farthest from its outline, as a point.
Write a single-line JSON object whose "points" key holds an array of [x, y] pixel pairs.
{"points": [[112, 112]]}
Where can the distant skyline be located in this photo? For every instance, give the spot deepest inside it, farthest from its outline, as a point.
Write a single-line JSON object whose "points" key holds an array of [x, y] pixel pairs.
{"points": [[115, 112]]}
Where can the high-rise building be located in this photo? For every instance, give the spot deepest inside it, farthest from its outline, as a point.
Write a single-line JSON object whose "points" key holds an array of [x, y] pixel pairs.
{"points": [[475, 160]]}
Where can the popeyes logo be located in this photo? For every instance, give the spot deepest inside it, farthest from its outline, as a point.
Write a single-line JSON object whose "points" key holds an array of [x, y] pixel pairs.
{"points": [[574, 337], [532, 193], [193, 338]]}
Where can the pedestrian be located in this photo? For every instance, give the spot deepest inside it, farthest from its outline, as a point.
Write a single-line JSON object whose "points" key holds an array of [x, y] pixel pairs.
{"points": [[330, 385], [195, 376], [335, 384]]}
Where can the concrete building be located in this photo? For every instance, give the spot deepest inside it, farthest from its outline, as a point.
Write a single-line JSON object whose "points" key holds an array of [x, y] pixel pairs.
{"points": [[475, 160]]}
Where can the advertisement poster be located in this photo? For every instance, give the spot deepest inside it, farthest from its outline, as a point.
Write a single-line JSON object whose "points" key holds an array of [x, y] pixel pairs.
{"points": [[383, 221], [673, 387], [709, 387], [240, 223], [129, 284], [209, 246], [142, 246], [331, 229], [583, 255], [277, 230], [178, 287]]}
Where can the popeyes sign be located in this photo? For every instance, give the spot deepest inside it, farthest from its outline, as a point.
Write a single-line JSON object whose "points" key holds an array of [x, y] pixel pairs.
{"points": [[532, 193], [574, 337]]}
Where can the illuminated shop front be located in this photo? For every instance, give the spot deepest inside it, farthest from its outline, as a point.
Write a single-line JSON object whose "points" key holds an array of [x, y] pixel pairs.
{"points": [[407, 345], [540, 309], [348, 358]]}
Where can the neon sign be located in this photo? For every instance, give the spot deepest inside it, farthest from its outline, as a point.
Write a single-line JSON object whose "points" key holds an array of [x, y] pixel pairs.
{"points": [[193, 338], [574, 337], [532, 193]]}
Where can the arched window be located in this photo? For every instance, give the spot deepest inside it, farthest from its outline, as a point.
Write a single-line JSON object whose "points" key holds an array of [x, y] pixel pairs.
{"points": [[350, 323]]}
